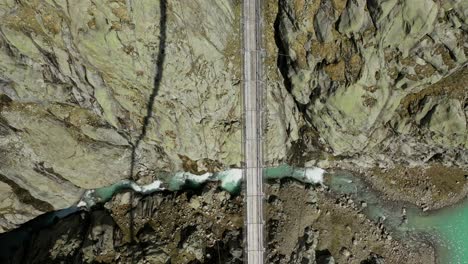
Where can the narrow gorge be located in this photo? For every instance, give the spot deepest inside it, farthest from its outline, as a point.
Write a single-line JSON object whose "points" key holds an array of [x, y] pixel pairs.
{"points": [[121, 128]]}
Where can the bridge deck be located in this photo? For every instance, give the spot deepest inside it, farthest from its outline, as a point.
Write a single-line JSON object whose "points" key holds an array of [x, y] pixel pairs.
{"points": [[252, 98]]}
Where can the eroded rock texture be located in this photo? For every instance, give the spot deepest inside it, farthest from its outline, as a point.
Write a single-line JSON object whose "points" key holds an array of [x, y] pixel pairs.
{"points": [[93, 91], [375, 82], [308, 225], [304, 224], [187, 227]]}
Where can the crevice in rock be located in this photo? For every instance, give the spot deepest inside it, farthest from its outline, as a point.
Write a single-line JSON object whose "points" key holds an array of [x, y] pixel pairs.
{"points": [[323, 256], [25, 196], [302, 146], [227, 249], [427, 118], [5, 127], [185, 235], [52, 175], [282, 62]]}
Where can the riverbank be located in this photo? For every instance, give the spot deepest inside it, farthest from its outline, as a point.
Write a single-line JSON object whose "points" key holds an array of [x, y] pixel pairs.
{"points": [[335, 226], [205, 225], [345, 220], [445, 229], [189, 226], [431, 187]]}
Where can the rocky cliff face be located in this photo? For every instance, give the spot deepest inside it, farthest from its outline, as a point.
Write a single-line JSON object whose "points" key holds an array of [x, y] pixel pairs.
{"points": [[377, 87], [377, 82], [91, 92]]}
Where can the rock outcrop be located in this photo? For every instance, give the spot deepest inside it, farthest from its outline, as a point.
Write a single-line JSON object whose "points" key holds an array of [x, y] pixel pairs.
{"points": [[206, 226], [189, 227], [310, 225], [92, 92], [376, 82]]}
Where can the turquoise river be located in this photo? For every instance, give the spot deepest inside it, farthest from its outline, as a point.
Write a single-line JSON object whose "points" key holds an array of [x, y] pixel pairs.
{"points": [[446, 229]]}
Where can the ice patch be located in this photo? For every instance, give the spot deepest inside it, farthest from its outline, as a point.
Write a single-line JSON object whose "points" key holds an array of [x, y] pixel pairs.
{"points": [[198, 178], [135, 187], [87, 199], [104, 194], [314, 175], [307, 175], [152, 187], [181, 179], [187, 176], [230, 179]]}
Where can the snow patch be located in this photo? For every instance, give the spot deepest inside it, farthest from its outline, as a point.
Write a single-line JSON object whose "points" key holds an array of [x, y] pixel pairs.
{"points": [[152, 187], [314, 175], [192, 177], [230, 178], [148, 188]]}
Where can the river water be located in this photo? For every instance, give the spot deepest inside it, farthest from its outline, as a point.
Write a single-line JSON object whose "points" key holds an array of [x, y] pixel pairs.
{"points": [[230, 180], [446, 228]]}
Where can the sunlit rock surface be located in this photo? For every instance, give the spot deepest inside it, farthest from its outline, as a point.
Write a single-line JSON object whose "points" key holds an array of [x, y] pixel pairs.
{"points": [[376, 82], [93, 92], [76, 79]]}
